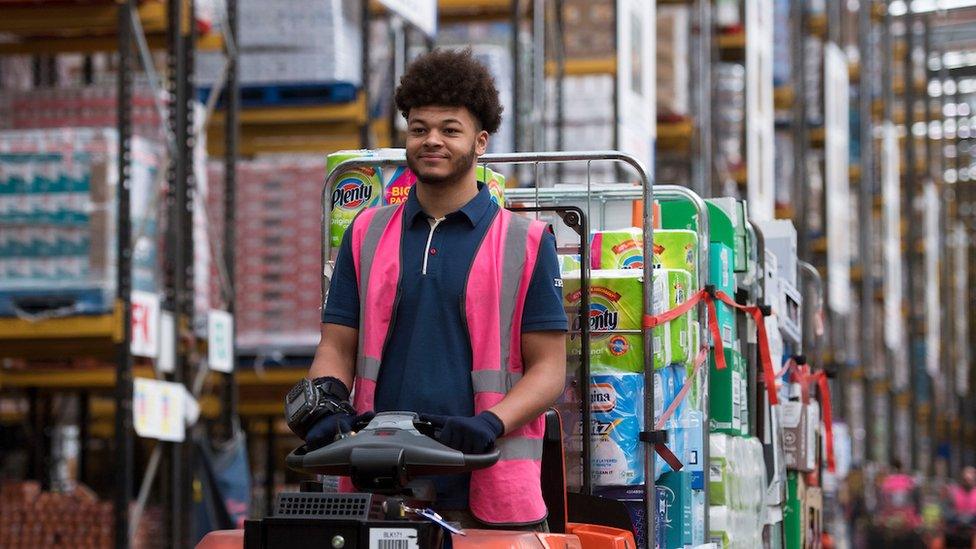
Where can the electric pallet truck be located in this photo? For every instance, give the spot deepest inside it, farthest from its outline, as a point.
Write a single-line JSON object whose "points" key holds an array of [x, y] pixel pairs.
{"points": [[391, 510]]}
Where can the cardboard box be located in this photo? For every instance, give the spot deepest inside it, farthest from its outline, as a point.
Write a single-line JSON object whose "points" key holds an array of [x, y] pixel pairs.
{"points": [[799, 422], [813, 516]]}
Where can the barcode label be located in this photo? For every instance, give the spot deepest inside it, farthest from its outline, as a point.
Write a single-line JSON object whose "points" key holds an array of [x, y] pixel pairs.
{"points": [[392, 538], [393, 544]]}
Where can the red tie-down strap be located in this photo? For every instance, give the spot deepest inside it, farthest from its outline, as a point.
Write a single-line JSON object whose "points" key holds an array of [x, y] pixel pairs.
{"points": [[798, 372], [653, 321], [709, 295], [824, 386], [765, 360], [680, 397]]}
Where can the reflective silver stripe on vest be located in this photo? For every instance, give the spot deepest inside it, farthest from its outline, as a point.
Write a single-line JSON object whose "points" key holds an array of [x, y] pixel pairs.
{"points": [[513, 261], [519, 448], [494, 381], [368, 367]]}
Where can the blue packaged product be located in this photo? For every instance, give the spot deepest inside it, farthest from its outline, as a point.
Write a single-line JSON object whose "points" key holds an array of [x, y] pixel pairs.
{"points": [[617, 416], [691, 427]]}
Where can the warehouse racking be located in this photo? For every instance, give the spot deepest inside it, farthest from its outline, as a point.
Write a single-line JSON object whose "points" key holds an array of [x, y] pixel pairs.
{"points": [[134, 31], [882, 390]]}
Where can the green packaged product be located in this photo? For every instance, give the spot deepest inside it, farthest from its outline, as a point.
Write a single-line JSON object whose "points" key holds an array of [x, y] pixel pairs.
{"points": [[677, 249], [354, 190], [616, 305], [721, 271], [725, 393], [678, 289], [617, 249], [719, 470], [569, 263], [793, 511]]}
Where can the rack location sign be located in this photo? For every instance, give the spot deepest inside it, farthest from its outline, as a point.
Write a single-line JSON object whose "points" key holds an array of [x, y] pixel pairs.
{"points": [[159, 409], [145, 324], [220, 341]]}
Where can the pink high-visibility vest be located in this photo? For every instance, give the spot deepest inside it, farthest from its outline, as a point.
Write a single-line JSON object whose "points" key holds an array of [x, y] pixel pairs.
{"points": [[964, 500], [508, 492]]}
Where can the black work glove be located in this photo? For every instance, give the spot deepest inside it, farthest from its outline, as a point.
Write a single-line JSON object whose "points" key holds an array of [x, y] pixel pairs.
{"points": [[329, 427], [471, 435]]}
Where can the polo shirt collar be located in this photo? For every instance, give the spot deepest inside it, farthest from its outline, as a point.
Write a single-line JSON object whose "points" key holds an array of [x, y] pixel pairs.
{"points": [[473, 211]]}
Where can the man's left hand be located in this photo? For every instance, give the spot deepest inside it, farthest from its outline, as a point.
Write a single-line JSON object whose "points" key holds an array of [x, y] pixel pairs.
{"points": [[471, 435]]}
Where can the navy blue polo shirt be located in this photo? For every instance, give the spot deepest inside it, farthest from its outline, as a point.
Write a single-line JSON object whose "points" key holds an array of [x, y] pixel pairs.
{"points": [[427, 361]]}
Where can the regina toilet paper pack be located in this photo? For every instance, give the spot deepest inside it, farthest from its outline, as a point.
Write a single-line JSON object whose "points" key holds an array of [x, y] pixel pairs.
{"points": [[617, 419]]}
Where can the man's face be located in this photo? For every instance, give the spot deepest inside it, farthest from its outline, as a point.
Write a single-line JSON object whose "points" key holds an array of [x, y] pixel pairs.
{"points": [[443, 143], [969, 476]]}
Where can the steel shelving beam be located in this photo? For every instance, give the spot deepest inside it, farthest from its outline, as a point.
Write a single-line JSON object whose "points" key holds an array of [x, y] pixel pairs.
{"points": [[910, 192], [364, 129], [798, 19], [124, 465], [231, 133], [182, 185], [866, 194], [881, 386], [701, 86]]}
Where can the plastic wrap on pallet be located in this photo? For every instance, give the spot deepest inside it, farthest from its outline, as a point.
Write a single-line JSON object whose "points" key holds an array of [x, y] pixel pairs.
{"points": [[58, 219], [729, 114], [489, 43], [782, 32], [32, 518], [587, 103], [93, 106], [672, 65], [292, 41], [278, 249]]}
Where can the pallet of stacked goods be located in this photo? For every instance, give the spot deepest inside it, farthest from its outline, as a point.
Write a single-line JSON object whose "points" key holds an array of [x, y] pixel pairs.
{"points": [[91, 106], [489, 42], [57, 214], [30, 518], [588, 96], [278, 248], [292, 53]]}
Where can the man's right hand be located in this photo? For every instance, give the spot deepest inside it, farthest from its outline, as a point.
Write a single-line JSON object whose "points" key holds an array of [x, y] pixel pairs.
{"points": [[330, 427]]}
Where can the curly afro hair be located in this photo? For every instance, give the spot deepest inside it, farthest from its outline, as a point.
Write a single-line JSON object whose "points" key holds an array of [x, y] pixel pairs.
{"points": [[453, 79]]}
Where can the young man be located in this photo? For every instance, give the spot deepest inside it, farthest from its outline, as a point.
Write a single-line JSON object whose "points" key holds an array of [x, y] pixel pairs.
{"points": [[450, 306]]}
